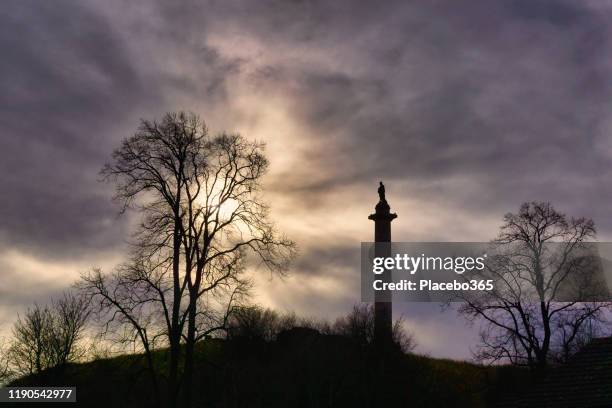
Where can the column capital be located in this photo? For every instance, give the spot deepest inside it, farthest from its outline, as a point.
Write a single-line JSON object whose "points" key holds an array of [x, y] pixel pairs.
{"points": [[383, 212]]}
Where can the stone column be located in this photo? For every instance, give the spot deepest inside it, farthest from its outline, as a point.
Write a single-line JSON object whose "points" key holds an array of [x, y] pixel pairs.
{"points": [[383, 319]]}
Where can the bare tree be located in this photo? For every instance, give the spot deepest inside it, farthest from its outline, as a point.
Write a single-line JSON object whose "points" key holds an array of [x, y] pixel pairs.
{"points": [[47, 336], [202, 220], [359, 325], [30, 347], [540, 256], [70, 314], [254, 322]]}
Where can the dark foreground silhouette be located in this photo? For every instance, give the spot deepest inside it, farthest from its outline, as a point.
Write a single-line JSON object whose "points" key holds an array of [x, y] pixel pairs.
{"points": [[301, 368], [585, 381]]}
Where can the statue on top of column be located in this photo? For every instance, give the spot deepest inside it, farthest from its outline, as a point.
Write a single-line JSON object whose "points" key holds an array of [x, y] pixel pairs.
{"points": [[381, 191], [383, 210]]}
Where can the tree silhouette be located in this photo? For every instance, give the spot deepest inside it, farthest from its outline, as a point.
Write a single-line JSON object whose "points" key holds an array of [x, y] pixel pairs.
{"points": [[202, 217], [359, 326], [539, 256], [47, 336], [257, 323]]}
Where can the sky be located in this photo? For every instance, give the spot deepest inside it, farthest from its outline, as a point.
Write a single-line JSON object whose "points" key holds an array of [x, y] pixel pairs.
{"points": [[465, 109]]}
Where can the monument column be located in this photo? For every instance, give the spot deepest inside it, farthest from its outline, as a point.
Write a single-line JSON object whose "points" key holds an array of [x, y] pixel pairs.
{"points": [[383, 319]]}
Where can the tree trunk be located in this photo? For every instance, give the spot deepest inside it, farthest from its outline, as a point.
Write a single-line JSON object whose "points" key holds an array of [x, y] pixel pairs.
{"points": [[173, 372], [175, 332], [543, 354], [189, 352], [153, 376]]}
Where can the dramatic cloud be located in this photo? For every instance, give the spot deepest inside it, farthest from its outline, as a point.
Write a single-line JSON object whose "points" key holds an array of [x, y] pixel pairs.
{"points": [[465, 109]]}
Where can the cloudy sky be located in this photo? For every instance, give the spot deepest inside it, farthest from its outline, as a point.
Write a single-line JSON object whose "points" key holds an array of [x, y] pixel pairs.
{"points": [[464, 108]]}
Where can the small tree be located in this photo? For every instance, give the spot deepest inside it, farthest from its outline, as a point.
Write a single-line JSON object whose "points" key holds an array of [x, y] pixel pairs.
{"points": [[70, 314], [359, 325], [254, 322], [30, 349], [47, 336]]}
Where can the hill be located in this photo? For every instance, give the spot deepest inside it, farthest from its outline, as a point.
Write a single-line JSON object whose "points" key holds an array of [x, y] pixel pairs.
{"points": [[301, 368]]}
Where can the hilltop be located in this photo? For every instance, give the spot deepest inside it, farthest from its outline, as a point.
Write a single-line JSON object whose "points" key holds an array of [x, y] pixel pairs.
{"points": [[300, 368]]}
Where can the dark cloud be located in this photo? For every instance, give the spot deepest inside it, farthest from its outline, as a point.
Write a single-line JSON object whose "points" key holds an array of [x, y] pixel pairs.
{"points": [[510, 94], [66, 82], [71, 89], [326, 259]]}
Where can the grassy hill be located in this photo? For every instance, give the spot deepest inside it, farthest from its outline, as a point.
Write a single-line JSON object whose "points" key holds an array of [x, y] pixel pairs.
{"points": [[298, 369]]}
